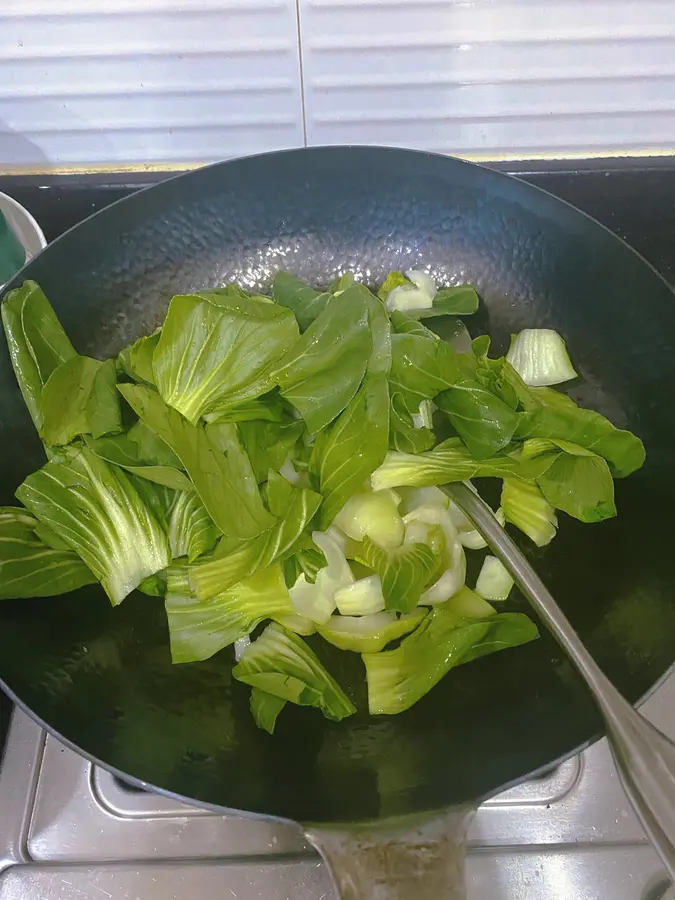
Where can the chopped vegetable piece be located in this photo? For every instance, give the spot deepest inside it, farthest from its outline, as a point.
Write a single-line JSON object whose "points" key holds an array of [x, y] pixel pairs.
{"points": [[217, 348], [224, 480], [451, 461], [95, 508], [525, 506], [404, 571], [494, 582], [280, 663], [369, 634], [317, 601], [398, 678], [434, 524], [37, 343], [198, 630], [191, 529], [375, 514], [227, 566], [322, 371], [30, 564], [265, 709], [346, 454], [361, 598], [540, 357]]}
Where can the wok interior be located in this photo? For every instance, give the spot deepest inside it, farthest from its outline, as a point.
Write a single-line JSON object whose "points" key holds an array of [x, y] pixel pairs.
{"points": [[102, 678]]}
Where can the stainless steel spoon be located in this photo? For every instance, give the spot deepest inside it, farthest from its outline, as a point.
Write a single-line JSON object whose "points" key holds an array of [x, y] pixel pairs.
{"points": [[645, 758]]}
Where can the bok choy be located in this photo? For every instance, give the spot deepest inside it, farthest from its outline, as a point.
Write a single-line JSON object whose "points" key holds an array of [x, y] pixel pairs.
{"points": [[268, 469]]}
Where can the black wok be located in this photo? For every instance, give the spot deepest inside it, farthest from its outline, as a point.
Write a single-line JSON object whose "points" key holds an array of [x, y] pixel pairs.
{"points": [[101, 678]]}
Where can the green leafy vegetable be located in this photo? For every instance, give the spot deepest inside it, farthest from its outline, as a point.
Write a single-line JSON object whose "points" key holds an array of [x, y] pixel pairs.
{"points": [[346, 454], [460, 300], [403, 571], [526, 507], [191, 529], [322, 371], [94, 507], [268, 444], [265, 709], [30, 566], [216, 350], [198, 630], [565, 421], [580, 485], [136, 360], [452, 461], [215, 575], [215, 462], [304, 301], [250, 418], [280, 663], [485, 423], [398, 678], [80, 397], [37, 342]]}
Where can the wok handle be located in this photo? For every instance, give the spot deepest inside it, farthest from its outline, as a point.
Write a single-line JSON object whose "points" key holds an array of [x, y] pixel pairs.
{"points": [[645, 757], [409, 860]]}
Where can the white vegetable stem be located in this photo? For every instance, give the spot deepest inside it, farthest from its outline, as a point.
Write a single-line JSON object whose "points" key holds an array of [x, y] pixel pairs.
{"points": [[494, 582], [540, 357]]}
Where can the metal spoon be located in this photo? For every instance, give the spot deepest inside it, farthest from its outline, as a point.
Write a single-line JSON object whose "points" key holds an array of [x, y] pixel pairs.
{"points": [[645, 758]]}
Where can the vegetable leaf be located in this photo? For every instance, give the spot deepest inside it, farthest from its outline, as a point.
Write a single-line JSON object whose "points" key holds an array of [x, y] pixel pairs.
{"points": [[265, 709], [623, 450], [451, 461], [37, 342], [214, 459], [191, 529], [142, 453], [215, 575], [80, 397], [268, 444], [347, 452], [29, 565], [97, 510], [216, 349], [404, 571], [198, 630], [398, 678], [525, 506], [280, 663], [302, 300], [485, 423], [136, 360], [460, 300], [322, 371], [581, 486]]}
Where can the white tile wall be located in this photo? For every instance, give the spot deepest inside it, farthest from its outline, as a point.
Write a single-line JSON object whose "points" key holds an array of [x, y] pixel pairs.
{"points": [[165, 83], [168, 82], [491, 77]]}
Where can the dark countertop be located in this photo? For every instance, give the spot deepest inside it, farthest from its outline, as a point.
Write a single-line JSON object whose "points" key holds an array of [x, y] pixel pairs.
{"points": [[634, 198]]}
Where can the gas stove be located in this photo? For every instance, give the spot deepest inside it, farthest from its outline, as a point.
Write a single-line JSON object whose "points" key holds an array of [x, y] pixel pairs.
{"points": [[70, 830]]}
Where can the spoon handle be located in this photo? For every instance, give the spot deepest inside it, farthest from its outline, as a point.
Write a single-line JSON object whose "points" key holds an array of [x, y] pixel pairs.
{"points": [[645, 757]]}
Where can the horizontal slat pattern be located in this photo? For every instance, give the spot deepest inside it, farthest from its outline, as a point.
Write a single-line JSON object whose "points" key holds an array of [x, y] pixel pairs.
{"points": [[492, 78], [134, 82]]}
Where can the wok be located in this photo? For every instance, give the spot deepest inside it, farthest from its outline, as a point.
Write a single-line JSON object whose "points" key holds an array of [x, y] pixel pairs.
{"points": [[101, 679]]}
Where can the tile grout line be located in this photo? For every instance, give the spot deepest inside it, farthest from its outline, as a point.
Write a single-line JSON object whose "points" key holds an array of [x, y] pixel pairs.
{"points": [[302, 73]]}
